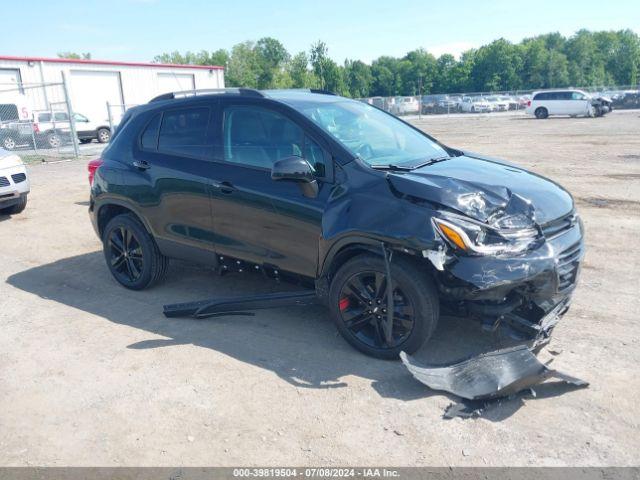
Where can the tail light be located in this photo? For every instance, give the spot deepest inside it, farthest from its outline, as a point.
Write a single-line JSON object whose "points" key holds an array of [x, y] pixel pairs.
{"points": [[528, 103], [36, 128], [92, 167]]}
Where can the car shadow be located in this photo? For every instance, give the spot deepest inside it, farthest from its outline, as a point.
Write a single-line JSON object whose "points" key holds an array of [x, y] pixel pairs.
{"points": [[300, 344]]}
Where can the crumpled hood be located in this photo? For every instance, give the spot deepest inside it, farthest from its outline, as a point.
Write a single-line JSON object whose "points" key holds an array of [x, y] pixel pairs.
{"points": [[485, 190]]}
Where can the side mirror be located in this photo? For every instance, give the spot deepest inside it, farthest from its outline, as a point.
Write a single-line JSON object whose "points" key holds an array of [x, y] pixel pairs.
{"points": [[296, 169]]}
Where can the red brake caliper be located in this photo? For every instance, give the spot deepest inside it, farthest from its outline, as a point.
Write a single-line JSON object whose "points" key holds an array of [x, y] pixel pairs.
{"points": [[343, 304]]}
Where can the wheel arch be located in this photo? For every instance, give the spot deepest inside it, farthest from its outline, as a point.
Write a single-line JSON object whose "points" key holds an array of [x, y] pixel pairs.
{"points": [[108, 210], [349, 247]]}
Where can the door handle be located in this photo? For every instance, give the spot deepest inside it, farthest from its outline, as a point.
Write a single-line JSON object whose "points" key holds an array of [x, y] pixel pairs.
{"points": [[224, 187], [141, 164]]}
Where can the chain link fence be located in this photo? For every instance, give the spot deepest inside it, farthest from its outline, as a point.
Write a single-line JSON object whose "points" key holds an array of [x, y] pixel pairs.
{"points": [[115, 112], [623, 97], [37, 121]]}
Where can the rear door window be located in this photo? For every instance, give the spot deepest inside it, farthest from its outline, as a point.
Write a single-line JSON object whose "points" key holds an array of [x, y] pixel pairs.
{"points": [[184, 132]]}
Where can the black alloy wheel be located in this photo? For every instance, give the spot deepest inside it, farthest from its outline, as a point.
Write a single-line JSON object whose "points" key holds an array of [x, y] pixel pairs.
{"points": [[358, 303], [363, 308], [126, 259], [131, 253]]}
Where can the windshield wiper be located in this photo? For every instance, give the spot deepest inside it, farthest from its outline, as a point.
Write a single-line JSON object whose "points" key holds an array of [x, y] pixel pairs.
{"points": [[431, 161], [392, 166], [408, 168]]}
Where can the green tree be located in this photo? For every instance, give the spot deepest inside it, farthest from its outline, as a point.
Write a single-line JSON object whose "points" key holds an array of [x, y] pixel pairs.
{"points": [[219, 57], [497, 66], [544, 61], [534, 64], [75, 56], [418, 72], [271, 57], [386, 77], [586, 65], [445, 74], [319, 62], [244, 68], [301, 76], [358, 78], [329, 74]]}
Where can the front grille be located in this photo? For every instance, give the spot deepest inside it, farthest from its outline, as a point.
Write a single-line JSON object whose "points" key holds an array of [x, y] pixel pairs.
{"points": [[18, 177], [559, 225], [567, 268], [4, 182]]}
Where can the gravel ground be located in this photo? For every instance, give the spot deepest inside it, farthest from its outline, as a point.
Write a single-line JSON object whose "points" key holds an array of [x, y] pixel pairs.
{"points": [[93, 374]]}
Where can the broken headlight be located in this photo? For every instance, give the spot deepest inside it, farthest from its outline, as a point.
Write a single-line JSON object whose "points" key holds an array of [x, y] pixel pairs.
{"points": [[478, 238]]}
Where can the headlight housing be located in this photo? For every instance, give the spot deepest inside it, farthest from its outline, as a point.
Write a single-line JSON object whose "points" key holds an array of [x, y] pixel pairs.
{"points": [[476, 238]]}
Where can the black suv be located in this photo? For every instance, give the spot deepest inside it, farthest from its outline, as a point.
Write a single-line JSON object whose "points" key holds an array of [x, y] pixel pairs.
{"points": [[386, 223]]}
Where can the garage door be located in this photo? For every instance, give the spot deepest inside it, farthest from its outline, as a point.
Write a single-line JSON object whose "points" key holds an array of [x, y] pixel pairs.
{"points": [[175, 82], [91, 90], [9, 76]]}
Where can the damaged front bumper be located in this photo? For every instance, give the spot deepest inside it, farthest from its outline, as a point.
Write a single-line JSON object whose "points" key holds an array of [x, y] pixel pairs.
{"points": [[527, 293]]}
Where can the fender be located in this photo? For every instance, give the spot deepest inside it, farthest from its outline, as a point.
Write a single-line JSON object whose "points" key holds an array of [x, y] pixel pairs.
{"points": [[350, 242], [105, 200]]}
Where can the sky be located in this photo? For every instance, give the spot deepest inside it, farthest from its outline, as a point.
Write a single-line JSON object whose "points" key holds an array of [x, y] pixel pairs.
{"points": [[137, 30]]}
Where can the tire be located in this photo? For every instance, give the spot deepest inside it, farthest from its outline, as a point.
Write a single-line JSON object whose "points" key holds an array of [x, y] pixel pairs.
{"points": [[143, 265], [103, 135], [9, 143], [415, 298], [17, 208], [541, 113], [53, 140]]}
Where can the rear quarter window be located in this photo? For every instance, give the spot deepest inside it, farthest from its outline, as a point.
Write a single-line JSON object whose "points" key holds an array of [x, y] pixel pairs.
{"points": [[149, 137]]}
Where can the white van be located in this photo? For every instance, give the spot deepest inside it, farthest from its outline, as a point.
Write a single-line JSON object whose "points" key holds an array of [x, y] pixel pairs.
{"points": [[560, 102]]}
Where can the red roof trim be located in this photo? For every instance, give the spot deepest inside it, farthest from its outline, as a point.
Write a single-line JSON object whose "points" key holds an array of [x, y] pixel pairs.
{"points": [[109, 62]]}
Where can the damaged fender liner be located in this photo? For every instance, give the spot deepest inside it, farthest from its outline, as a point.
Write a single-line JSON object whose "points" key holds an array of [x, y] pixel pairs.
{"points": [[492, 375]]}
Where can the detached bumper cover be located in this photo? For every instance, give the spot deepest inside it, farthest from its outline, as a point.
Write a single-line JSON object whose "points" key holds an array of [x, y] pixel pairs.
{"points": [[492, 375]]}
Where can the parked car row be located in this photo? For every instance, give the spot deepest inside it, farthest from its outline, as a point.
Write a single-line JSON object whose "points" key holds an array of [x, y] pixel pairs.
{"points": [[581, 103], [22, 126], [438, 104], [51, 130]]}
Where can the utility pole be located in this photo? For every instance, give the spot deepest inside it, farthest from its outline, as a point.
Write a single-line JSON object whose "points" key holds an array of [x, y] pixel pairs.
{"points": [[420, 97]]}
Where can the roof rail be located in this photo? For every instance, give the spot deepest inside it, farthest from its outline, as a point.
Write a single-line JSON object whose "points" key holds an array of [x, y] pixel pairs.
{"points": [[249, 92], [322, 92]]}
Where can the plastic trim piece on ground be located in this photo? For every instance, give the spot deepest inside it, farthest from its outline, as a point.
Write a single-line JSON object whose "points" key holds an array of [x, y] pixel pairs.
{"points": [[490, 376]]}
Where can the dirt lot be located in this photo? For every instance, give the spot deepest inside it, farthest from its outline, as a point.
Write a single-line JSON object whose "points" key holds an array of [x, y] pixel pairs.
{"points": [[93, 374]]}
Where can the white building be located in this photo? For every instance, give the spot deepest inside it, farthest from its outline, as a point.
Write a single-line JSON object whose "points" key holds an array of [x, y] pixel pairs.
{"points": [[93, 83]]}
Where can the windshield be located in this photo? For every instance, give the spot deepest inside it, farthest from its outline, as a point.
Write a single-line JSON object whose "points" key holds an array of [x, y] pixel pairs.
{"points": [[374, 136]]}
